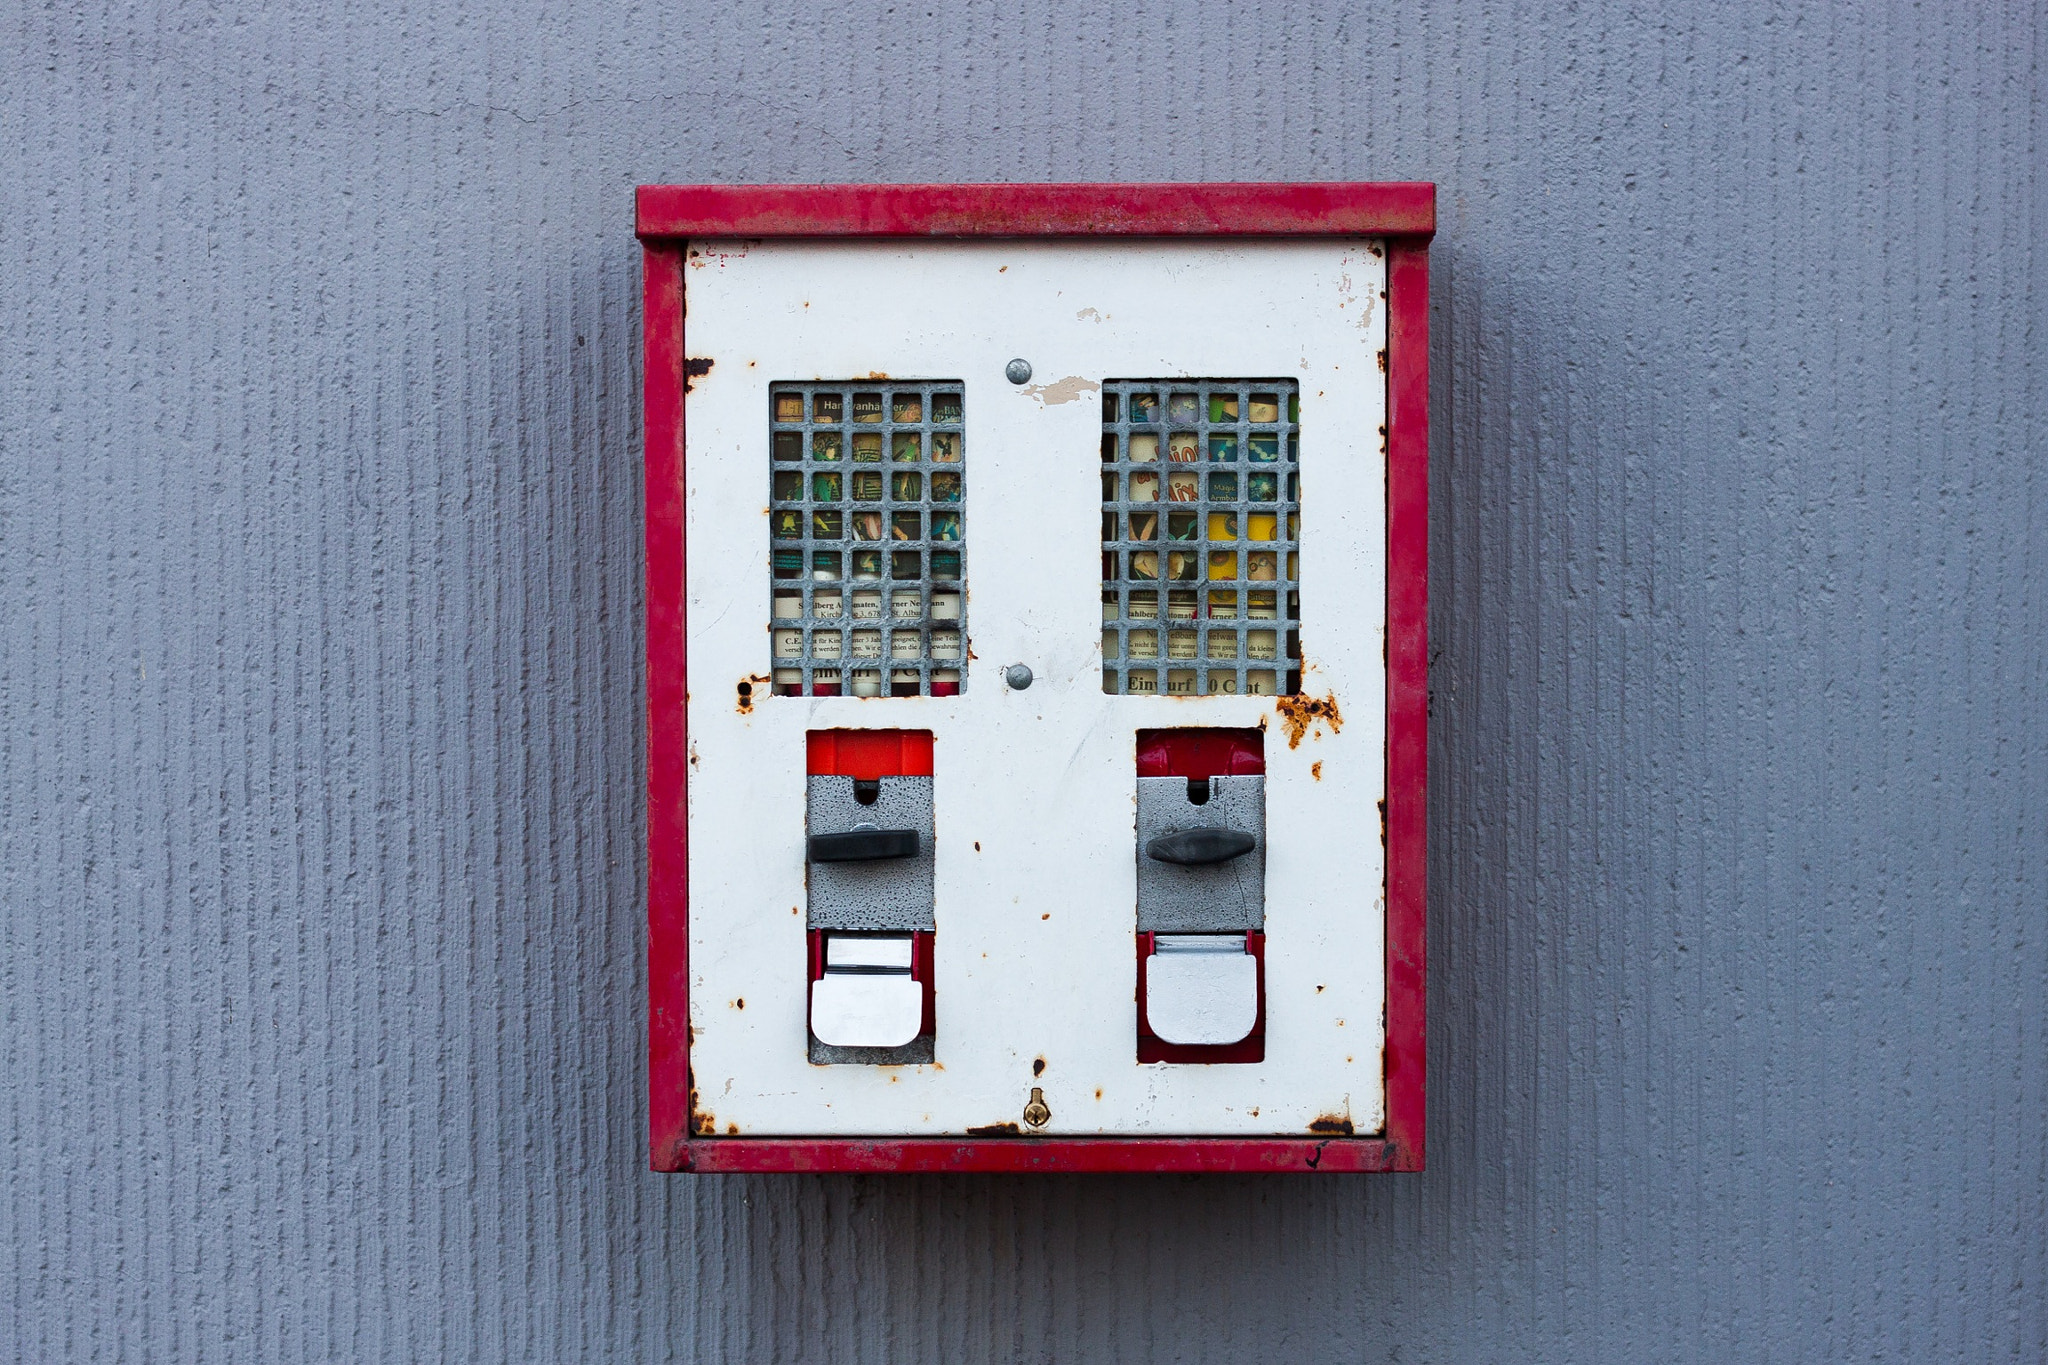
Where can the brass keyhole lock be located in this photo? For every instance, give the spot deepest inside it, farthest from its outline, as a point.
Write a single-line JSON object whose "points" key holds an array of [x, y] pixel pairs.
{"points": [[1035, 1112]]}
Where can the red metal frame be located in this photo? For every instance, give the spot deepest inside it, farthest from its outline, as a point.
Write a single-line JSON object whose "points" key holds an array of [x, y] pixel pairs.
{"points": [[1404, 215]]}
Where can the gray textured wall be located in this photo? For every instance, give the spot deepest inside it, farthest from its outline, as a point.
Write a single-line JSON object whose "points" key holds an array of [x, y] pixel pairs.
{"points": [[320, 717]]}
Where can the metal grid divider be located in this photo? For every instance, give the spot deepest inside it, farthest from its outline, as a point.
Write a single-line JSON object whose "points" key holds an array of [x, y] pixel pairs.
{"points": [[1221, 409], [830, 509]]}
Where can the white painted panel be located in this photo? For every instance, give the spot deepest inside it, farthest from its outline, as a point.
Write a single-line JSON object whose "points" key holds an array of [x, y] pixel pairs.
{"points": [[1034, 791]]}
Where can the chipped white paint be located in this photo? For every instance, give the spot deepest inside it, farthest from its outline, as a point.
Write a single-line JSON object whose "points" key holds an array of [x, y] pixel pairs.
{"points": [[1035, 790]]}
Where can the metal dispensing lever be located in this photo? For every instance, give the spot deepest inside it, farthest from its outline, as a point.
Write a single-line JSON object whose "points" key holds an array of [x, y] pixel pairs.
{"points": [[1197, 847], [863, 843]]}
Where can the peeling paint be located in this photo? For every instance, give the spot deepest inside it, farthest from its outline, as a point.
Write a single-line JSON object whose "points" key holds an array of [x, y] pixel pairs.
{"points": [[1072, 389], [752, 686], [1300, 714]]}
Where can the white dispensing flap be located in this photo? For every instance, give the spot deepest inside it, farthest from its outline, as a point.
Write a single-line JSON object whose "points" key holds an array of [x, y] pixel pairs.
{"points": [[1201, 989], [867, 997], [866, 1010]]}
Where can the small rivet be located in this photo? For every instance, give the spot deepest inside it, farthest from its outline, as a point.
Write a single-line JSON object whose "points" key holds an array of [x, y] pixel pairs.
{"points": [[1018, 676], [1018, 371]]}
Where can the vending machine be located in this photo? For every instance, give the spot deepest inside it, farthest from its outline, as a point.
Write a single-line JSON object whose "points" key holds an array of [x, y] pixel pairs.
{"points": [[1036, 642]]}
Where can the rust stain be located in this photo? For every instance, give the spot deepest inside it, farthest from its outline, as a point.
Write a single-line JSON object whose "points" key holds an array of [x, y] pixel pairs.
{"points": [[1072, 389], [751, 686], [740, 1003], [695, 367], [876, 374], [732, 1130], [703, 1122], [1302, 713], [1383, 360], [1315, 770], [995, 1130], [1336, 1125], [1374, 250], [1382, 804], [1038, 1067]]}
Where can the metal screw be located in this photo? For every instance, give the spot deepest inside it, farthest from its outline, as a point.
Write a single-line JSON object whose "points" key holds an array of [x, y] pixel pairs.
{"points": [[1018, 371], [1018, 676]]}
